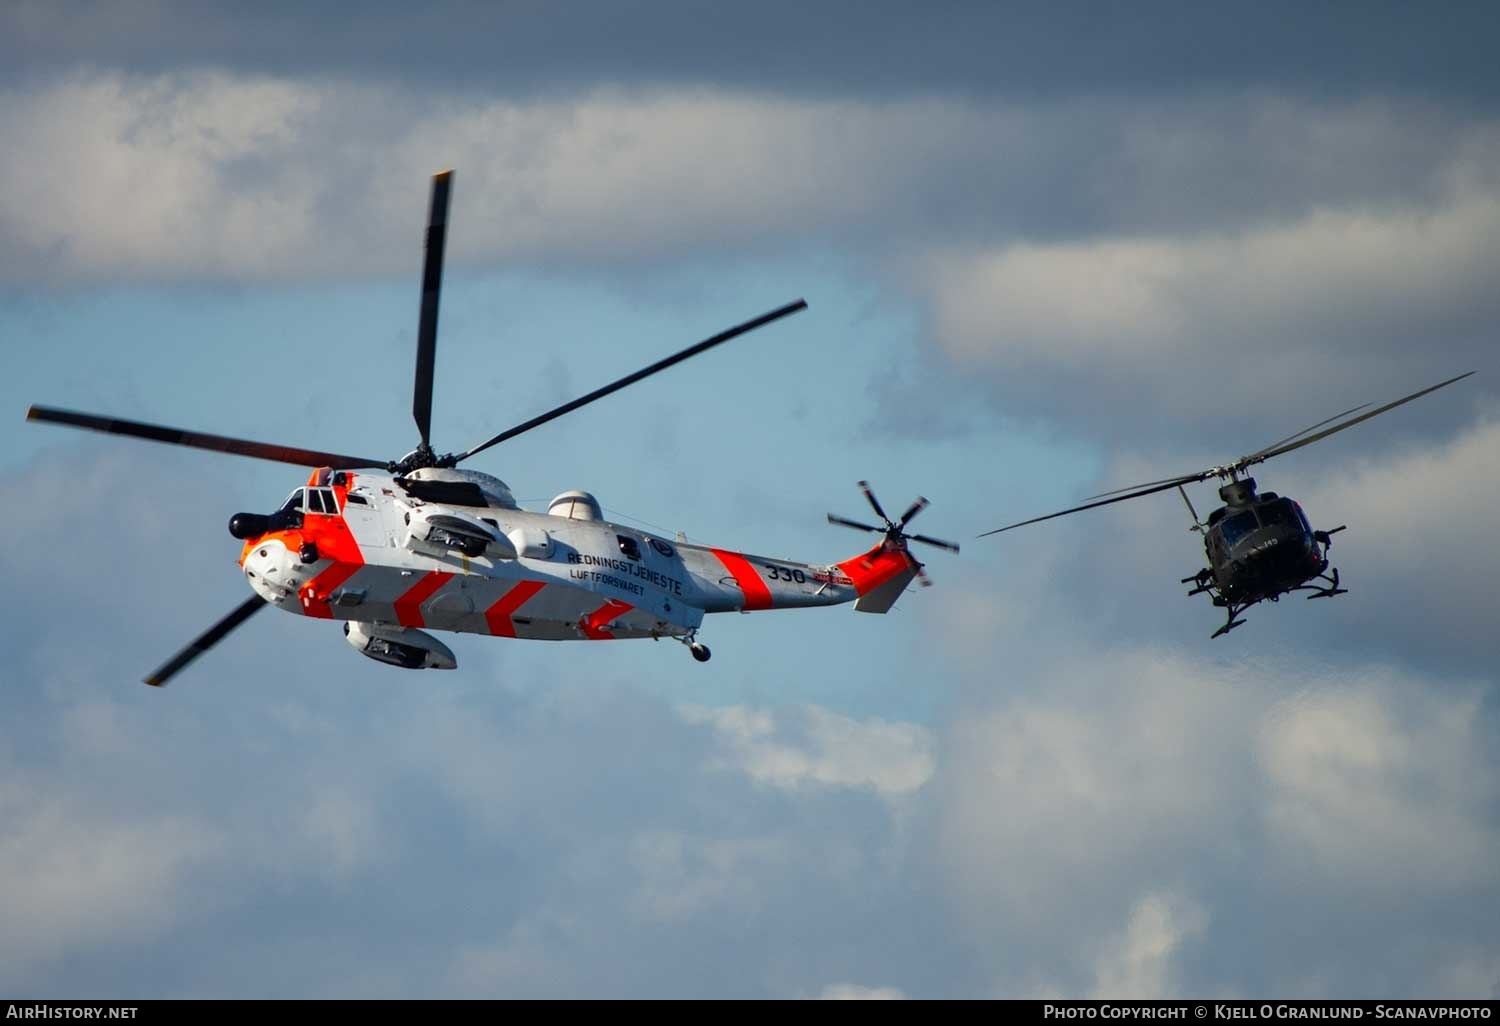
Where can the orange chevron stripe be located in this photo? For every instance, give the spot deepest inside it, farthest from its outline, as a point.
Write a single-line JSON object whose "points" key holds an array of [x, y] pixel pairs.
{"points": [[595, 625], [409, 605], [498, 615]]}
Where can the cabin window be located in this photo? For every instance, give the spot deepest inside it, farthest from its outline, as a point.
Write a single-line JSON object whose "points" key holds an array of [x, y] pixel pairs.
{"points": [[1236, 527], [629, 547], [1277, 514], [322, 500]]}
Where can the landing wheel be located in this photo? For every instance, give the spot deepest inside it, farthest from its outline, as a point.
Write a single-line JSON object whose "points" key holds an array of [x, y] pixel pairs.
{"points": [[700, 652]]}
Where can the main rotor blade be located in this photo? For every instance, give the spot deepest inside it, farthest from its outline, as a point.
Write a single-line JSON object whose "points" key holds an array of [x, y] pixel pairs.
{"points": [[1267, 454], [912, 511], [215, 443], [864, 486], [432, 282], [852, 523], [631, 379], [916, 569], [1145, 484], [205, 641], [950, 546], [1299, 434], [1160, 487]]}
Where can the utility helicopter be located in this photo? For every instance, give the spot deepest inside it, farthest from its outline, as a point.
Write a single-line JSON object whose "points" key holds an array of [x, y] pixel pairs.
{"points": [[393, 547], [1259, 546]]}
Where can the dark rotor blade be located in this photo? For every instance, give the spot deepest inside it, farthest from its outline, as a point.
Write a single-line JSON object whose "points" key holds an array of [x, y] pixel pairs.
{"points": [[205, 641], [950, 546], [864, 486], [1145, 484], [912, 511], [1183, 492], [916, 568], [631, 379], [215, 443], [1078, 509], [432, 283], [1259, 457], [1299, 434], [853, 523]]}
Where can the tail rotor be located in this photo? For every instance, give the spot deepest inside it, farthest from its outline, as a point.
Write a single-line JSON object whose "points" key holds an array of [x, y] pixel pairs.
{"points": [[895, 530]]}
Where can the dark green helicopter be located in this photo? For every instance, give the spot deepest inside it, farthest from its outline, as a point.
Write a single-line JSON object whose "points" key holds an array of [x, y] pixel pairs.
{"points": [[1259, 546]]}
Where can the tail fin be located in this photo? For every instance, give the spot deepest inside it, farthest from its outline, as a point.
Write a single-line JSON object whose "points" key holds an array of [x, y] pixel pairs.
{"points": [[881, 599], [880, 576]]}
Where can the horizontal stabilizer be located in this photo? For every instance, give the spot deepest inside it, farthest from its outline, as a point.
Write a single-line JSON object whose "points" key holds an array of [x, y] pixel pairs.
{"points": [[881, 599]]}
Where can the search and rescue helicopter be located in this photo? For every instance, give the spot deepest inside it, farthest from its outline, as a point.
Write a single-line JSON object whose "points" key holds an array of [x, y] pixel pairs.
{"points": [[392, 547], [1259, 546]]}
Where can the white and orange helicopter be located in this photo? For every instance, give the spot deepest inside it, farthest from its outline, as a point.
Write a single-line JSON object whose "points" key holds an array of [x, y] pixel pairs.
{"points": [[392, 547]]}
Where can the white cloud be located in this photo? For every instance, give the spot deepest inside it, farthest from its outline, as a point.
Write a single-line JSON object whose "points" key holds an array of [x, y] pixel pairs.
{"points": [[1138, 964], [74, 876], [1473, 976], [1049, 801], [1120, 785], [218, 175], [679, 876], [1381, 787], [811, 746], [341, 830], [1170, 318], [1146, 251], [857, 992]]}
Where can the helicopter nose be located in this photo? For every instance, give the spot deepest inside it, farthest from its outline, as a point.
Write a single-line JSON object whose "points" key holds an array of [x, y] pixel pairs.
{"points": [[274, 572]]}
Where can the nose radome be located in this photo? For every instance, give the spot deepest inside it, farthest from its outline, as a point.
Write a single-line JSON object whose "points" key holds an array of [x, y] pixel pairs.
{"points": [[273, 572]]}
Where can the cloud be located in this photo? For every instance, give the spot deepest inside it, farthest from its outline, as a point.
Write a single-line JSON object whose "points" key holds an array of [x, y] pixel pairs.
{"points": [[1138, 963], [814, 747], [1184, 325], [856, 992], [868, 48], [1379, 791], [79, 877], [1087, 817], [1086, 814], [274, 177], [1168, 266]]}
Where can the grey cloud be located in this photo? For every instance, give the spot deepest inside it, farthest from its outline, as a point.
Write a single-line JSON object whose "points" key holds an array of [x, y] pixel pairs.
{"points": [[883, 48], [1147, 268], [1171, 804], [1116, 818], [211, 175]]}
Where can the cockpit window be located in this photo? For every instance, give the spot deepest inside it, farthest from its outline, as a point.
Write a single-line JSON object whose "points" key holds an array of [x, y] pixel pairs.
{"points": [[1236, 527], [293, 501], [322, 500], [1278, 513]]}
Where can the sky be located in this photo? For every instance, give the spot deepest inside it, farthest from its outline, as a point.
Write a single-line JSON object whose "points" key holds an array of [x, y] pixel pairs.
{"points": [[1048, 250]]}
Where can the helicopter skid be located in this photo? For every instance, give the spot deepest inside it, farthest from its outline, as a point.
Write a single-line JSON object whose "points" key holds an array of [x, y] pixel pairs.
{"points": [[1321, 592], [1231, 625]]}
